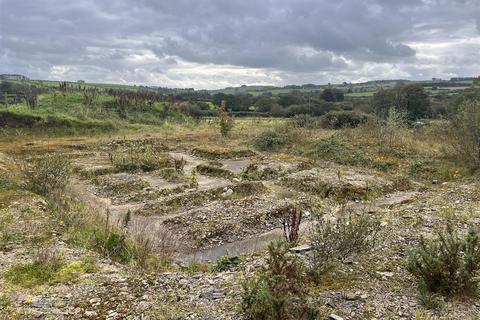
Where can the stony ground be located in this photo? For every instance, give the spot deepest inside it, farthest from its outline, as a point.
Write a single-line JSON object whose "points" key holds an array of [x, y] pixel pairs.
{"points": [[236, 203]]}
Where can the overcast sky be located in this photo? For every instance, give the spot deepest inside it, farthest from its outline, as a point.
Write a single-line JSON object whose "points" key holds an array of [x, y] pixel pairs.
{"points": [[219, 43]]}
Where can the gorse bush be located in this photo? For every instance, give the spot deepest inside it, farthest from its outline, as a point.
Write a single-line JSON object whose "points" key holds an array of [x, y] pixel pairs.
{"points": [[47, 174], [448, 264], [278, 291], [334, 241]]}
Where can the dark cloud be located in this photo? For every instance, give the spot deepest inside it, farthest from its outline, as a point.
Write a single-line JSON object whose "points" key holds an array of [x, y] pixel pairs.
{"points": [[195, 43]]}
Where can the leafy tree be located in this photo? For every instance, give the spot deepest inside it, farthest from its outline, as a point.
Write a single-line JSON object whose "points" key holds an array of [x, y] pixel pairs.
{"points": [[416, 101], [410, 99], [332, 95], [292, 97], [265, 104], [230, 100]]}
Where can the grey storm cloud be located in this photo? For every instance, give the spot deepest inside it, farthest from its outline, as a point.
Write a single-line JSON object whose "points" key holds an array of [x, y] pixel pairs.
{"points": [[211, 43]]}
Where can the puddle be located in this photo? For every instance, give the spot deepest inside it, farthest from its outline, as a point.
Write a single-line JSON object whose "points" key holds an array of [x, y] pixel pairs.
{"points": [[242, 247]]}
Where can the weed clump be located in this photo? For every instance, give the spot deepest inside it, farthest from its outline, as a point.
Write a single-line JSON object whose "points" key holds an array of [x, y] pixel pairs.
{"points": [[448, 264], [254, 172], [5, 302], [47, 174], [291, 217], [278, 291], [7, 232]]}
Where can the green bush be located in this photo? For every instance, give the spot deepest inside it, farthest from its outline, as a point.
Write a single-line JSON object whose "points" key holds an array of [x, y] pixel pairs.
{"points": [[342, 119], [271, 140], [333, 242], [278, 291], [47, 174], [448, 264]]}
